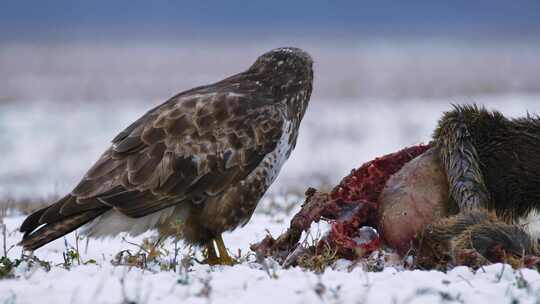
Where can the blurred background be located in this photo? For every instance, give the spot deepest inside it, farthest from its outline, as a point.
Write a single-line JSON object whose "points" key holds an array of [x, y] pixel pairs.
{"points": [[73, 74]]}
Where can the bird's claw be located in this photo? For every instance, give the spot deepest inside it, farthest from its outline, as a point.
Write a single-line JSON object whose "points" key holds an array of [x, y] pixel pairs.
{"points": [[211, 256]]}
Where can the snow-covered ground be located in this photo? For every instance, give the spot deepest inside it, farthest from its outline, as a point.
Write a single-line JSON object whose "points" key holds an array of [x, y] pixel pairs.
{"points": [[46, 147], [249, 281], [62, 103]]}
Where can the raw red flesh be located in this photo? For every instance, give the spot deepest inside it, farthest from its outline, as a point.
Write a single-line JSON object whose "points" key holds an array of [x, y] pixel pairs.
{"points": [[359, 192], [351, 205]]}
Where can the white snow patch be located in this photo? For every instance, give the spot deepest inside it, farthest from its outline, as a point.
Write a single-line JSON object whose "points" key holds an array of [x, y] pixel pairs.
{"points": [[335, 136], [250, 283]]}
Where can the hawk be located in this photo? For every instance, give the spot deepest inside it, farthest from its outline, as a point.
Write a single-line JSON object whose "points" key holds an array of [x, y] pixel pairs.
{"points": [[202, 159]]}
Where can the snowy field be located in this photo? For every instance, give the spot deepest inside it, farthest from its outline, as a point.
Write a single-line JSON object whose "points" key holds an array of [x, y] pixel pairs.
{"points": [[250, 281], [335, 136], [46, 147], [61, 105]]}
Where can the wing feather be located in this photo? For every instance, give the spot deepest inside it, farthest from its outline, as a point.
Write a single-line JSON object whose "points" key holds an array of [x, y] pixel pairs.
{"points": [[194, 145]]}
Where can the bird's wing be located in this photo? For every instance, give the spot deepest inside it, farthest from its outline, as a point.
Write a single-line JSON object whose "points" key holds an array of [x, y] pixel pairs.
{"points": [[191, 146]]}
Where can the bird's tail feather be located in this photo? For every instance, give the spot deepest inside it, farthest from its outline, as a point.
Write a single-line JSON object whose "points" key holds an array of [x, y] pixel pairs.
{"points": [[54, 230]]}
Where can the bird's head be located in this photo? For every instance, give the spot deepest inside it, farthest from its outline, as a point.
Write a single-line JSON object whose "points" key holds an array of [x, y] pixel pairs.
{"points": [[287, 69]]}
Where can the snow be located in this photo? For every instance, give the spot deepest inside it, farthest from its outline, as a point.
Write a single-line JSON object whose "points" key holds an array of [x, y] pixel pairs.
{"points": [[336, 135], [249, 282]]}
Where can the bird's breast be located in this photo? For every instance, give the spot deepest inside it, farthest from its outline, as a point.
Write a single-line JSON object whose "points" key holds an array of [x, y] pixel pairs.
{"points": [[270, 166], [237, 204]]}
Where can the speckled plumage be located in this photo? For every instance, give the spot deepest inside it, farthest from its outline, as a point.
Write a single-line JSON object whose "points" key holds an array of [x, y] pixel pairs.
{"points": [[206, 156]]}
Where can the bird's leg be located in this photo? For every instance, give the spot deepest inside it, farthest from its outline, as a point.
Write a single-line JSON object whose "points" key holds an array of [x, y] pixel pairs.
{"points": [[224, 256], [211, 255]]}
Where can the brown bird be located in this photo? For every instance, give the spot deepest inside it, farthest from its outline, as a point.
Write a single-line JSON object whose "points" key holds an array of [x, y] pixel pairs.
{"points": [[203, 160]]}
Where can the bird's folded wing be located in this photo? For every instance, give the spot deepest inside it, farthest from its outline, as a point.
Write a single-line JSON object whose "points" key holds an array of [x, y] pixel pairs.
{"points": [[190, 147]]}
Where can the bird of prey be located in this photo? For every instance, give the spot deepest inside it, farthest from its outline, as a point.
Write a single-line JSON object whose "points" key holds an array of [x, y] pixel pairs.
{"points": [[203, 159]]}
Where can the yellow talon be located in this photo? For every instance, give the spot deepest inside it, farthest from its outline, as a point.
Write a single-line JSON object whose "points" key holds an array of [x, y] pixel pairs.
{"points": [[211, 255], [223, 253]]}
